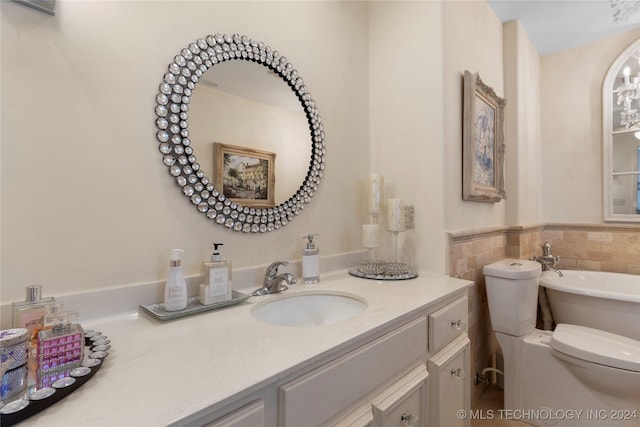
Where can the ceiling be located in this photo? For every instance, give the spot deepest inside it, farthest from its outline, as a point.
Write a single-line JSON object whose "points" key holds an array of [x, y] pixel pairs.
{"points": [[556, 25]]}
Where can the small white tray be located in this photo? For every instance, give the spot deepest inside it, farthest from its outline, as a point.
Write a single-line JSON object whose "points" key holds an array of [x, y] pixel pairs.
{"points": [[193, 307]]}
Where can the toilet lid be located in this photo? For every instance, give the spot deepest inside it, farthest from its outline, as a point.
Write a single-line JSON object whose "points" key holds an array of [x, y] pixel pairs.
{"points": [[513, 269], [597, 346]]}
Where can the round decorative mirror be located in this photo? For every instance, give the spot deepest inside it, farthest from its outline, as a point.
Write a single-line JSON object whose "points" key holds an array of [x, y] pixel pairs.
{"points": [[239, 193]]}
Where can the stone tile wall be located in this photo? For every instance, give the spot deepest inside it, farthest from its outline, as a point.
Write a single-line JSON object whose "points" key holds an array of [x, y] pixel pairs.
{"points": [[580, 246], [468, 253], [613, 248]]}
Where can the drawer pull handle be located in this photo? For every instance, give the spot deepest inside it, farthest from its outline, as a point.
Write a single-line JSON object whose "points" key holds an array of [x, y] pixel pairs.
{"points": [[460, 373], [458, 325], [409, 419]]}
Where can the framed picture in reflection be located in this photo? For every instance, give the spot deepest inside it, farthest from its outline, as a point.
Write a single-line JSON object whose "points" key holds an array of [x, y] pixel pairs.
{"points": [[245, 175]]}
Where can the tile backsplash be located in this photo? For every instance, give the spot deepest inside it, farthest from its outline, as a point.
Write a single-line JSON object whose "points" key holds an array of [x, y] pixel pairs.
{"points": [[601, 247], [613, 248]]}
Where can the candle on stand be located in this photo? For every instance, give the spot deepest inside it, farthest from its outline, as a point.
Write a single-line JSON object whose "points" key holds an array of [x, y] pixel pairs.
{"points": [[395, 215], [370, 236], [376, 185], [370, 239]]}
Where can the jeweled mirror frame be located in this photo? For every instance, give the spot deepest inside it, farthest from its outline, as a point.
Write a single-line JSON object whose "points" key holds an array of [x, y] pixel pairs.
{"points": [[172, 107]]}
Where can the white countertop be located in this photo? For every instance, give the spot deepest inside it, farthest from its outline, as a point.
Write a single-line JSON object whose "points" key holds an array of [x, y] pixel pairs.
{"points": [[159, 372]]}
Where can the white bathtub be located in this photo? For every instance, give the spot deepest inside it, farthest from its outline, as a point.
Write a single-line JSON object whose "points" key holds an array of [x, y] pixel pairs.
{"points": [[599, 300]]}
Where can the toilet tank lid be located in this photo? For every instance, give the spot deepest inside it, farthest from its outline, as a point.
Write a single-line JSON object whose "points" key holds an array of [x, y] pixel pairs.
{"points": [[513, 269], [597, 346]]}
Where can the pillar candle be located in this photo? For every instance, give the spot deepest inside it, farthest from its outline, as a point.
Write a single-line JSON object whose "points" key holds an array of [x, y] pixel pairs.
{"points": [[395, 215], [376, 185], [369, 236]]}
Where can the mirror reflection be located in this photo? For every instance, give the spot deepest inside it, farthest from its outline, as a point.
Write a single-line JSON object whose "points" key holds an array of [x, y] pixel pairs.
{"points": [[250, 172], [625, 180], [246, 106], [622, 144]]}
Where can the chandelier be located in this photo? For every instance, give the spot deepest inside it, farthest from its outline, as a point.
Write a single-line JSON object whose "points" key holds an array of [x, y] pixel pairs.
{"points": [[627, 93]]}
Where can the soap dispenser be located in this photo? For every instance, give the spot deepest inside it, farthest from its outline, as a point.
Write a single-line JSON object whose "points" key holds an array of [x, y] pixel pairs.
{"points": [[217, 279], [175, 290], [310, 262]]}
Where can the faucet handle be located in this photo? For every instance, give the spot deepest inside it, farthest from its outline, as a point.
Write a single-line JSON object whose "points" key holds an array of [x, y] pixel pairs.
{"points": [[272, 270]]}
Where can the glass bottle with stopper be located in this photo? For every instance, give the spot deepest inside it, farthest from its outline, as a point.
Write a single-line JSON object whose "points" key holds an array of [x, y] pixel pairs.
{"points": [[29, 314]]}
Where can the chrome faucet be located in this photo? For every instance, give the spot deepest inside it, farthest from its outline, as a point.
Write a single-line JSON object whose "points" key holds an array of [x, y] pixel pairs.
{"points": [[548, 261], [274, 282]]}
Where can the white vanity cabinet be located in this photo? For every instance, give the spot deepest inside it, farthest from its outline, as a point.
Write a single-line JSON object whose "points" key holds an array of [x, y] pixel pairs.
{"points": [[401, 361], [413, 373]]}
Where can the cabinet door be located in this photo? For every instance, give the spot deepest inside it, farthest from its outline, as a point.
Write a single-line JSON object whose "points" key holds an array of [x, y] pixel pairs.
{"points": [[404, 403], [251, 415], [360, 417], [450, 385]]}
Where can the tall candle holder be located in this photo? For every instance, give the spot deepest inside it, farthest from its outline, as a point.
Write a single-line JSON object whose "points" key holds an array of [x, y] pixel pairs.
{"points": [[370, 239], [396, 223], [395, 245], [376, 187]]}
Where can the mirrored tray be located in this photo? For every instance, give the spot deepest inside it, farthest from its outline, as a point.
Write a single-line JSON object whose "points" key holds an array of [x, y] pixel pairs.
{"points": [[193, 307], [383, 270], [44, 390]]}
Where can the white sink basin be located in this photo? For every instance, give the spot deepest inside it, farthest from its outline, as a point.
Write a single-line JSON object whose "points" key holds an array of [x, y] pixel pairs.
{"points": [[309, 309]]}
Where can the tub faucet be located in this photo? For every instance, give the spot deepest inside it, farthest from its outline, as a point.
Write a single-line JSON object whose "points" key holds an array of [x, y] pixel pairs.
{"points": [[548, 261], [274, 282]]}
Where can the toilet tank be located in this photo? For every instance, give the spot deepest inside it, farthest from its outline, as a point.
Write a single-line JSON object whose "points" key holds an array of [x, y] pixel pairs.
{"points": [[512, 292]]}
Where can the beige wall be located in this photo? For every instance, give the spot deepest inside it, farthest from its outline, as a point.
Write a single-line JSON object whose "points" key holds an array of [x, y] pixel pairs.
{"points": [[406, 121], [522, 127], [86, 200], [571, 111], [472, 41]]}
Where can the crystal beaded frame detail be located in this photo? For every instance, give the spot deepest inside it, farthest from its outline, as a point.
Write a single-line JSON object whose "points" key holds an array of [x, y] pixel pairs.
{"points": [[172, 106]]}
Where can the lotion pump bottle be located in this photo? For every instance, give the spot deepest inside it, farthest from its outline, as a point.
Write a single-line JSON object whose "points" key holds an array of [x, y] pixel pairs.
{"points": [[217, 279], [310, 262], [175, 290]]}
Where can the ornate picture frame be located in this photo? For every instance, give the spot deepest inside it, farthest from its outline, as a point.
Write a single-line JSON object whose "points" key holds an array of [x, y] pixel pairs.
{"points": [[245, 175], [482, 142]]}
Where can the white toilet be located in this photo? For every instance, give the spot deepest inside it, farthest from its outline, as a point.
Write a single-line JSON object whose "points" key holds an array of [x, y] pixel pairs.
{"points": [[573, 376]]}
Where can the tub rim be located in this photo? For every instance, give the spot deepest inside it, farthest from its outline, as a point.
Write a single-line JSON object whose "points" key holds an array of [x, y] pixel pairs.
{"points": [[551, 280]]}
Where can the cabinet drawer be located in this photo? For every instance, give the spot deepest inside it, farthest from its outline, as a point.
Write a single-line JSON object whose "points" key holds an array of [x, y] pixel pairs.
{"points": [[404, 403], [447, 323], [318, 396], [249, 415]]}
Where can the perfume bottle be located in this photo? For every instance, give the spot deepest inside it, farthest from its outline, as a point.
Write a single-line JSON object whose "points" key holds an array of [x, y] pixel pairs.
{"points": [[29, 314], [61, 343]]}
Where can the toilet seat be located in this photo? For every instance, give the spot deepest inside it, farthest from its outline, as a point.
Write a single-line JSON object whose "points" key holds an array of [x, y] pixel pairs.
{"points": [[597, 346]]}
